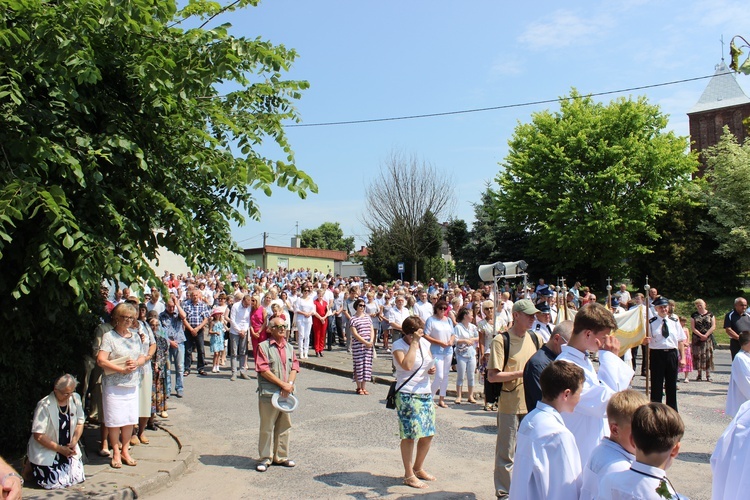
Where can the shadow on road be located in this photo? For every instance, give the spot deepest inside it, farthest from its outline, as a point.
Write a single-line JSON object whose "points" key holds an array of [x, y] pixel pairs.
{"points": [[698, 458], [331, 391], [375, 484], [236, 461], [482, 429]]}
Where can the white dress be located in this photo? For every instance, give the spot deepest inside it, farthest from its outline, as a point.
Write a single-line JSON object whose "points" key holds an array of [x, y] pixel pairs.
{"points": [[731, 457], [588, 422], [739, 383], [547, 463]]}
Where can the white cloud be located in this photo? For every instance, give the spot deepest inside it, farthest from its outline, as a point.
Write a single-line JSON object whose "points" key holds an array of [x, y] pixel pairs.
{"points": [[562, 30], [506, 65]]}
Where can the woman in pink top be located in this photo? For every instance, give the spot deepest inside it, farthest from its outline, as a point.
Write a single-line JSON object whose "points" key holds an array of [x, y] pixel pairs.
{"points": [[257, 320]]}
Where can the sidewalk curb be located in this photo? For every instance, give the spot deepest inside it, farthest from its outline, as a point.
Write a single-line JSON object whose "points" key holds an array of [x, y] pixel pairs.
{"points": [[163, 478]]}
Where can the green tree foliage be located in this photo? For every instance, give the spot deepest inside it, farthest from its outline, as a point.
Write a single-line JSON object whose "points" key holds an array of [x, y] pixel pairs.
{"points": [[328, 236], [117, 123], [587, 183], [683, 263], [401, 203], [728, 197]]}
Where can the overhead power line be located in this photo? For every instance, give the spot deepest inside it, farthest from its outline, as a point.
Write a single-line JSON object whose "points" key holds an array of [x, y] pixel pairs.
{"points": [[504, 106]]}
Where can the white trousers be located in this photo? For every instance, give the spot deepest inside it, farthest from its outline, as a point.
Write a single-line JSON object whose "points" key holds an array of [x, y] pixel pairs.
{"points": [[442, 369]]}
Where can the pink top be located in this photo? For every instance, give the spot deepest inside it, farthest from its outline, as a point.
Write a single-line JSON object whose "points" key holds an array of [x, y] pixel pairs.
{"points": [[256, 321]]}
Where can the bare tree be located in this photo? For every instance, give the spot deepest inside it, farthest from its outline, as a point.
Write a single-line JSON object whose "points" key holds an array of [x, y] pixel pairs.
{"points": [[399, 201]]}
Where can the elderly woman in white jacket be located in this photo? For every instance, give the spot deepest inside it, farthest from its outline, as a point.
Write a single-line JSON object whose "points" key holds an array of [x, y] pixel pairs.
{"points": [[54, 453]]}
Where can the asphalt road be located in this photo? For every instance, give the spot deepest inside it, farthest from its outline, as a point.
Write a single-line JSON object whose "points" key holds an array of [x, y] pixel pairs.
{"points": [[347, 446]]}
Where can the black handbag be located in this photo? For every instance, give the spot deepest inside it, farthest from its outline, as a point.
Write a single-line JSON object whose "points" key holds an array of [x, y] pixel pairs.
{"points": [[390, 399]]}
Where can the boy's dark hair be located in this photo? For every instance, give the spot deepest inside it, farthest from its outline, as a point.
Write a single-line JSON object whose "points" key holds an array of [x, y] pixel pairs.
{"points": [[558, 376], [744, 338], [656, 428], [594, 317]]}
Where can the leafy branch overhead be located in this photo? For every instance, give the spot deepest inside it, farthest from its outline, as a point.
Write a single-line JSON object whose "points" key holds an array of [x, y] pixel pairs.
{"points": [[119, 121], [735, 53], [124, 126]]}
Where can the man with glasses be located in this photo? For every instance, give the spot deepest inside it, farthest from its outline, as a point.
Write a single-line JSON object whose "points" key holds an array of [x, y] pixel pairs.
{"points": [[666, 349], [172, 320], [423, 307], [736, 321], [239, 326], [397, 314], [277, 369], [522, 344]]}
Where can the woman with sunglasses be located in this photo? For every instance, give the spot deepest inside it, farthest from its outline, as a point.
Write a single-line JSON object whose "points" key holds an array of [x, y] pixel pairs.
{"points": [[438, 331], [363, 338]]}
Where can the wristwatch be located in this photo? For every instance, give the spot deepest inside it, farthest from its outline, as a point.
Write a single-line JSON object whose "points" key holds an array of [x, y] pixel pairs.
{"points": [[11, 474]]}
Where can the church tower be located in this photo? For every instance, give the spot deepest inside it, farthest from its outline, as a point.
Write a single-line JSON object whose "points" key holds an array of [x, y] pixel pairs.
{"points": [[722, 103]]}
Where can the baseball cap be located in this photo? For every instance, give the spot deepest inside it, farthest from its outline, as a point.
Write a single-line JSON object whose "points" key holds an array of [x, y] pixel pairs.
{"points": [[525, 306]]}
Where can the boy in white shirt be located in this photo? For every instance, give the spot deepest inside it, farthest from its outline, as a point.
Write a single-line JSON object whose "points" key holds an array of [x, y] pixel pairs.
{"points": [[547, 463], [656, 433], [615, 453], [739, 381]]}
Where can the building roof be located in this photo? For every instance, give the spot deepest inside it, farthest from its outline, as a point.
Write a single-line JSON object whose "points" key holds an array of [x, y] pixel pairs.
{"points": [[317, 253], [722, 91]]}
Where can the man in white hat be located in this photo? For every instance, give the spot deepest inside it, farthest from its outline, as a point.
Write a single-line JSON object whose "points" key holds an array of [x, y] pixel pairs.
{"points": [[277, 369]]}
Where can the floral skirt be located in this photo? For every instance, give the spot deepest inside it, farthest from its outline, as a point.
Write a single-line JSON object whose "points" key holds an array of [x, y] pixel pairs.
{"points": [[416, 415], [703, 355], [62, 473]]}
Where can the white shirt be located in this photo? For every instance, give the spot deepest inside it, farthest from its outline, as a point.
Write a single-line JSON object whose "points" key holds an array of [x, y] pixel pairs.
{"points": [[547, 463], [424, 310], [729, 460], [588, 422], [544, 330], [607, 458], [676, 333], [639, 482], [239, 318], [419, 383], [739, 383], [397, 316]]}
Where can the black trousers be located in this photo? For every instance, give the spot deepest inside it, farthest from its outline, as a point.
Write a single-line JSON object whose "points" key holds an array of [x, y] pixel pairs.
{"points": [[663, 364], [340, 334], [734, 347], [195, 343]]}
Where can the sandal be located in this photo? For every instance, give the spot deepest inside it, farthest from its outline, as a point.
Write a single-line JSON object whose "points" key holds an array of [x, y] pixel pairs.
{"points": [[261, 467], [442, 405], [365, 393], [358, 391], [286, 463], [129, 462], [708, 379], [103, 453], [424, 475], [414, 482], [472, 401], [115, 465], [143, 439]]}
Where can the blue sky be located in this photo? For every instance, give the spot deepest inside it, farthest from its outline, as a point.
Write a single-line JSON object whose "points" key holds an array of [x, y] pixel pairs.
{"points": [[369, 59]]}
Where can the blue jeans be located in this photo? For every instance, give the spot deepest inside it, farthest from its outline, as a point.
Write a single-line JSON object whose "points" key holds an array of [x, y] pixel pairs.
{"points": [[177, 360]]}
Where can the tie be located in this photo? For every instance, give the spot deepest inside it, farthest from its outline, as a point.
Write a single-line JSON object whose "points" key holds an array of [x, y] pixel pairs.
{"points": [[664, 329]]}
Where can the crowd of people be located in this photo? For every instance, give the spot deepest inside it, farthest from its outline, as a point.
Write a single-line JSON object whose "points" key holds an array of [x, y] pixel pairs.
{"points": [[537, 370]]}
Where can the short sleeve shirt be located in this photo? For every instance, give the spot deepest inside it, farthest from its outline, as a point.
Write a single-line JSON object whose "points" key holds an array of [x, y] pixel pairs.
{"points": [[117, 347], [512, 399]]}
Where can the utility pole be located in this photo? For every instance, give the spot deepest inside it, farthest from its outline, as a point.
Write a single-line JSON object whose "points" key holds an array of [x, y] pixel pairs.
{"points": [[265, 257]]}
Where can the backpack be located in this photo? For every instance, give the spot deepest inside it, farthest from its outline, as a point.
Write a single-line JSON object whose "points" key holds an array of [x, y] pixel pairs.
{"points": [[506, 346]]}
